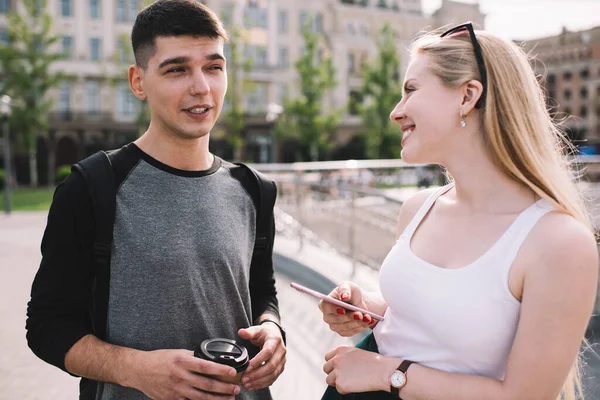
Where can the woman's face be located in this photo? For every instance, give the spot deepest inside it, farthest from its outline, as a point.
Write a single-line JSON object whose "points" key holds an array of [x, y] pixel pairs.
{"points": [[429, 114]]}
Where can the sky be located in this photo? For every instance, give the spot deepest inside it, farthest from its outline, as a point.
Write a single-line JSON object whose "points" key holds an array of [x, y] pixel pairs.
{"points": [[530, 19]]}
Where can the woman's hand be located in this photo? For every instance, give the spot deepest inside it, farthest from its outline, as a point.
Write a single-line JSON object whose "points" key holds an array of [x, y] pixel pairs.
{"points": [[344, 322], [352, 370]]}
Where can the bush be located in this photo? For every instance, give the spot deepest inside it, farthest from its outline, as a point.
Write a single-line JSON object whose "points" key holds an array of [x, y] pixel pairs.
{"points": [[62, 172]]}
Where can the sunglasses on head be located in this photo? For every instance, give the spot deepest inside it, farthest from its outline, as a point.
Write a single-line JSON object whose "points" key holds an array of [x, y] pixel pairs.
{"points": [[468, 27]]}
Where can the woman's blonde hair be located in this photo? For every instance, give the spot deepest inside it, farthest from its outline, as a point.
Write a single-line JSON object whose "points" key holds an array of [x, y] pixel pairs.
{"points": [[520, 135]]}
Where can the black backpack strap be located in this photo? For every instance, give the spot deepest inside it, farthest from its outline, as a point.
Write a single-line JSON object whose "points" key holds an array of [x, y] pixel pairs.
{"points": [[264, 193], [265, 201], [99, 177]]}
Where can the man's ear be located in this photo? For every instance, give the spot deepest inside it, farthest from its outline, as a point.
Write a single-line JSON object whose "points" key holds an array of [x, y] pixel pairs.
{"points": [[136, 81], [471, 92]]}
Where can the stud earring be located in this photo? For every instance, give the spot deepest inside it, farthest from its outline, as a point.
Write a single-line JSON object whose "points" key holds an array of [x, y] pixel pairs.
{"points": [[463, 120]]}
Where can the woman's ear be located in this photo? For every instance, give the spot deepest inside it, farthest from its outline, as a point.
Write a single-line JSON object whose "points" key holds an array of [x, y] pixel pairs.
{"points": [[136, 82], [471, 92]]}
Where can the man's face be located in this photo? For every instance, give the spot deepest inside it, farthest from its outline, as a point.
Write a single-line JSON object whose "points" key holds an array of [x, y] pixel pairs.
{"points": [[185, 84]]}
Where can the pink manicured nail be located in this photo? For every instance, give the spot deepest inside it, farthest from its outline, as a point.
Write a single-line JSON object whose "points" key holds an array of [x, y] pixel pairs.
{"points": [[367, 319], [345, 296], [341, 311], [356, 317]]}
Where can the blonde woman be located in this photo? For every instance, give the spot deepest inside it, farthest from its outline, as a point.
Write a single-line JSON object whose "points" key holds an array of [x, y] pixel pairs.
{"points": [[489, 288]]}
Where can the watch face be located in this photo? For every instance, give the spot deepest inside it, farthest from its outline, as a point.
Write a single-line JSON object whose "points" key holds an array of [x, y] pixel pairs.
{"points": [[398, 379]]}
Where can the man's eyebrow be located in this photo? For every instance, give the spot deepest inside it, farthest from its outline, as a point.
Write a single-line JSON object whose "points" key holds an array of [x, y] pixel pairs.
{"points": [[214, 57], [174, 60], [185, 59]]}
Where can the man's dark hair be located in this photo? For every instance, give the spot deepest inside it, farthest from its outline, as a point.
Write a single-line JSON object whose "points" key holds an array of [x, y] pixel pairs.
{"points": [[169, 18]]}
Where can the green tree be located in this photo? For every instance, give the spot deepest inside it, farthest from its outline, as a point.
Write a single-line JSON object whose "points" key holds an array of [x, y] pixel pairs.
{"points": [[124, 58], [26, 67], [304, 115], [380, 92], [233, 117]]}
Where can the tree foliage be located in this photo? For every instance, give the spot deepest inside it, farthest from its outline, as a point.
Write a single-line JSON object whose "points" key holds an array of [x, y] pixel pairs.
{"points": [[304, 115], [26, 69], [381, 91]]}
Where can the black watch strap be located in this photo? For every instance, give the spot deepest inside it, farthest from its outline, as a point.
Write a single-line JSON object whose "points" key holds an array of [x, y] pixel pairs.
{"points": [[278, 325], [403, 367]]}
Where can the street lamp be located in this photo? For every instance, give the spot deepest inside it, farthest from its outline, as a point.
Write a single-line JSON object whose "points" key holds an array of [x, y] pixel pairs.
{"points": [[273, 112], [5, 113]]}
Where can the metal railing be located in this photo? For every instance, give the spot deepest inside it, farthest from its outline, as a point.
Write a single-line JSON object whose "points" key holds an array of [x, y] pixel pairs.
{"points": [[352, 206]]}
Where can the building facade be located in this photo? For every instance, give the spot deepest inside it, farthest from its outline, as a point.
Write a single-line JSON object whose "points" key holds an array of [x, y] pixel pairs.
{"points": [[569, 65], [95, 109]]}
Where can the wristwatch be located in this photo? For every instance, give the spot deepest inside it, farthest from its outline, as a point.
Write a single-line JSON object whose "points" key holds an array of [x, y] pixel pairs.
{"points": [[279, 326], [398, 379]]}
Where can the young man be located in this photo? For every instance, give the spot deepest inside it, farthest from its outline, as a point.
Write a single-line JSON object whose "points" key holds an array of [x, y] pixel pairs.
{"points": [[182, 244]]}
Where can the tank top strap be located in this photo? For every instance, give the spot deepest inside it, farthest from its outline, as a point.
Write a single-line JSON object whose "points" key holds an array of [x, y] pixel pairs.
{"points": [[508, 246], [424, 209]]}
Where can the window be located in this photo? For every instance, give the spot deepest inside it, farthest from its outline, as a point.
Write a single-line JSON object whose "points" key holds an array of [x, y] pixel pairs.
{"points": [[93, 97], [66, 8], [95, 49], [568, 110], [355, 101], [585, 73], [227, 52], [284, 59], [282, 93], [567, 76], [133, 10], [583, 112], [364, 31], [4, 38], [584, 93], [255, 17], [567, 94], [318, 23], [303, 20], [67, 46], [121, 14], [64, 97], [255, 100], [261, 56], [350, 29], [226, 13], [126, 102], [282, 22], [318, 56], [351, 66], [258, 54], [4, 6], [95, 9], [551, 80]]}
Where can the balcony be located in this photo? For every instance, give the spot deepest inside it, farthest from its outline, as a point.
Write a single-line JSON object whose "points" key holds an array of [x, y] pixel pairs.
{"points": [[86, 120]]}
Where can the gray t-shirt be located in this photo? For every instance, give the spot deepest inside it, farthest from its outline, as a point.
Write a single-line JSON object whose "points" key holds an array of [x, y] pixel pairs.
{"points": [[180, 263]]}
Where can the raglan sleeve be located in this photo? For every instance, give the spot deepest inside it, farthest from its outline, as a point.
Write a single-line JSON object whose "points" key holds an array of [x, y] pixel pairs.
{"points": [[262, 274], [57, 312]]}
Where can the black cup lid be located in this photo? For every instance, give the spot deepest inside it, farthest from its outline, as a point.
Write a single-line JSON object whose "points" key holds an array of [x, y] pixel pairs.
{"points": [[224, 351]]}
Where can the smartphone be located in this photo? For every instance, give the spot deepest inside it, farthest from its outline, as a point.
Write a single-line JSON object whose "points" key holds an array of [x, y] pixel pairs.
{"points": [[336, 302]]}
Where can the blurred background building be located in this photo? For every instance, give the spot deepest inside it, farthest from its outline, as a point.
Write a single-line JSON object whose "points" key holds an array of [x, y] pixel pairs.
{"points": [[95, 109], [570, 63]]}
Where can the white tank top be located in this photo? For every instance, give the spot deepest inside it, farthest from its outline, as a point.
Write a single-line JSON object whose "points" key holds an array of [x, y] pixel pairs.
{"points": [[458, 320]]}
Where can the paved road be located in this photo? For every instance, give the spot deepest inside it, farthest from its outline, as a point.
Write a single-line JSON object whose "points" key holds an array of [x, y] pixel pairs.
{"points": [[24, 377]]}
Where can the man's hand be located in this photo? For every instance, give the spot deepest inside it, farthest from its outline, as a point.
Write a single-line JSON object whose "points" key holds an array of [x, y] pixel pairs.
{"points": [[269, 363], [177, 374]]}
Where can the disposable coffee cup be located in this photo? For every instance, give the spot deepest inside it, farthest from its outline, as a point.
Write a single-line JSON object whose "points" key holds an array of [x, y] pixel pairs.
{"points": [[227, 352]]}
